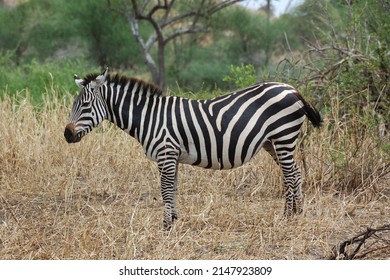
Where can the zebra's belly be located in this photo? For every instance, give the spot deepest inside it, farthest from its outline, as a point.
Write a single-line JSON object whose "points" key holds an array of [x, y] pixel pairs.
{"points": [[214, 159]]}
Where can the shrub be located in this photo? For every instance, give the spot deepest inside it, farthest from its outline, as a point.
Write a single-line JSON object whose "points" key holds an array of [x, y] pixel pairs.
{"points": [[242, 76], [37, 78]]}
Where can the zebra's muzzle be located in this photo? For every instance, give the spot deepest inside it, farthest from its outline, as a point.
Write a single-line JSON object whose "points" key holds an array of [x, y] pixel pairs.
{"points": [[70, 134]]}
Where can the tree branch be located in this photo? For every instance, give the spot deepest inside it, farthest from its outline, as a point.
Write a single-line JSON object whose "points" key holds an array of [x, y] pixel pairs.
{"points": [[157, 7], [180, 32], [144, 5], [166, 14], [149, 17], [341, 251], [221, 5], [177, 19]]}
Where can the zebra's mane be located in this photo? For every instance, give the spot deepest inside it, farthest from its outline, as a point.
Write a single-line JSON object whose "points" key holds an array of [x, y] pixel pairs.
{"points": [[122, 80]]}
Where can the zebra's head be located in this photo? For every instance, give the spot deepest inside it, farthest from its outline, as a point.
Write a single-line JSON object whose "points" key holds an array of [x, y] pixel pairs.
{"points": [[89, 108]]}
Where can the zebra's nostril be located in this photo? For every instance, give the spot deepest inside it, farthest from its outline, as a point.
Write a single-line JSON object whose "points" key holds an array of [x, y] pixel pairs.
{"points": [[68, 134]]}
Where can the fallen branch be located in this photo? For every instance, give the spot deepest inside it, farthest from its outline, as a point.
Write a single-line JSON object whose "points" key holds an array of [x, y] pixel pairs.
{"points": [[374, 240]]}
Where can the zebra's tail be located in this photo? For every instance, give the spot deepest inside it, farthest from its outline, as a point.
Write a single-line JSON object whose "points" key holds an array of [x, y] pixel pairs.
{"points": [[312, 113]]}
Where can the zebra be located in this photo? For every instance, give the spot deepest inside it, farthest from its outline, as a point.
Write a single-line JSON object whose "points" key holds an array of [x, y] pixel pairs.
{"points": [[219, 133]]}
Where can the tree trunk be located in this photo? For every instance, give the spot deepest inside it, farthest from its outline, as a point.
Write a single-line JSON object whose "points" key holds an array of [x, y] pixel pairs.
{"points": [[161, 66], [151, 66]]}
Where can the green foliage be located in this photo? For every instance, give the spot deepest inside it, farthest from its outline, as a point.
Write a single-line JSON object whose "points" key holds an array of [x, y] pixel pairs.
{"points": [[107, 36], [247, 29], [197, 74], [44, 30], [47, 30], [348, 47], [251, 38], [194, 67], [37, 29], [9, 33], [345, 68], [242, 76], [317, 20], [39, 78]]}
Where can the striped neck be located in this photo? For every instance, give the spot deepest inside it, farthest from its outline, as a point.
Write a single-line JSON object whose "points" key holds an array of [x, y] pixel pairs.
{"points": [[127, 100]]}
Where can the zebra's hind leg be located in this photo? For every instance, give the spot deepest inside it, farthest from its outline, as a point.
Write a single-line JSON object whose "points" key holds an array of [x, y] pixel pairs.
{"points": [[297, 191], [168, 168], [292, 180], [174, 210]]}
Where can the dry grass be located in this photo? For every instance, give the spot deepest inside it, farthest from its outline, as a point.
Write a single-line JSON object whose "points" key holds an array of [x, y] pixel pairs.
{"points": [[100, 199]]}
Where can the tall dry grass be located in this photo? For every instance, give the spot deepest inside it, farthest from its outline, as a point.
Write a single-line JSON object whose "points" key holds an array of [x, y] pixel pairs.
{"points": [[100, 198]]}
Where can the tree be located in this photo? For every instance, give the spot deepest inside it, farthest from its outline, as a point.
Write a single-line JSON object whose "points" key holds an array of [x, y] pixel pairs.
{"points": [[169, 20], [102, 35]]}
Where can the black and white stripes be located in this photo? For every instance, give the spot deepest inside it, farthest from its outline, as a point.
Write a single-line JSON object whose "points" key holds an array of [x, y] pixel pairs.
{"points": [[219, 133]]}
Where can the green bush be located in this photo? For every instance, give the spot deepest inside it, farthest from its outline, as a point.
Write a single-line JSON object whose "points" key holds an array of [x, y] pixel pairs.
{"points": [[242, 76], [39, 78], [43, 30]]}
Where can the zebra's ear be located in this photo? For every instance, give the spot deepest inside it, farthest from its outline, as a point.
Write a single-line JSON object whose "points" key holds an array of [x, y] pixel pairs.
{"points": [[102, 77], [79, 82]]}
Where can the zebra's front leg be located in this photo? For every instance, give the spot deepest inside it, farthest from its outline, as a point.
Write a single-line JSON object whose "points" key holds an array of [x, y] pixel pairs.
{"points": [[168, 166]]}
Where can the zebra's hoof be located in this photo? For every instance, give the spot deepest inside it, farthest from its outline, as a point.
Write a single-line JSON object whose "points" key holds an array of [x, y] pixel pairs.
{"points": [[168, 224]]}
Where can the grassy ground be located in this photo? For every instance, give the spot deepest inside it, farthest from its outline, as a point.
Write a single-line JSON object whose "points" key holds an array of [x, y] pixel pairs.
{"points": [[100, 198]]}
